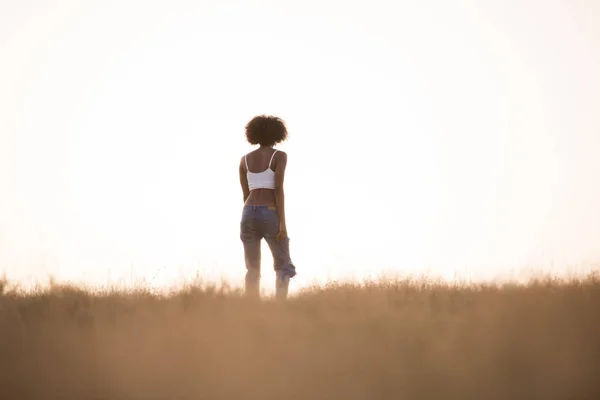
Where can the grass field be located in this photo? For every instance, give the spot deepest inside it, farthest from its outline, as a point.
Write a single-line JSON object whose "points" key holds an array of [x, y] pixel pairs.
{"points": [[387, 340]]}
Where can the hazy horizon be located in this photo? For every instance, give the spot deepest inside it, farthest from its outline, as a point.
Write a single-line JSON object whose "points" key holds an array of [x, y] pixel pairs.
{"points": [[423, 137]]}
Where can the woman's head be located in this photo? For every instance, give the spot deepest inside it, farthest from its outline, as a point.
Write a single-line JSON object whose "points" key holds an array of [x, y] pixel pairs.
{"points": [[266, 130]]}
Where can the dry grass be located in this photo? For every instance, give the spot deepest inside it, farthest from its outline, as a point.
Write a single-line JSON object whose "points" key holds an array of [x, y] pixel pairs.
{"points": [[393, 340]]}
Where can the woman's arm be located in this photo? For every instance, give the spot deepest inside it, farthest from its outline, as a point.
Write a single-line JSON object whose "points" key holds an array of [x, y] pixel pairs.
{"points": [[281, 158], [244, 180]]}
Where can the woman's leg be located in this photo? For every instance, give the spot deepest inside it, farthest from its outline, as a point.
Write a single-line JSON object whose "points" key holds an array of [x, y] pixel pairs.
{"points": [[282, 262], [251, 238], [252, 258]]}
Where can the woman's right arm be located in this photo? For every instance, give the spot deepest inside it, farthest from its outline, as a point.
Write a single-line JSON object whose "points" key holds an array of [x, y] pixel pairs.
{"points": [[281, 158]]}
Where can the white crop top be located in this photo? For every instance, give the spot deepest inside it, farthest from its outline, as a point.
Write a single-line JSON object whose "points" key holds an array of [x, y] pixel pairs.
{"points": [[261, 180]]}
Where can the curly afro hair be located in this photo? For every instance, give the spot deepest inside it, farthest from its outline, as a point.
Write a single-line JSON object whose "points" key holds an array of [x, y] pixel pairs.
{"points": [[266, 130]]}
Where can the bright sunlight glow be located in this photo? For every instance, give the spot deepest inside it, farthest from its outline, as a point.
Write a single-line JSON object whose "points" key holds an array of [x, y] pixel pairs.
{"points": [[432, 137]]}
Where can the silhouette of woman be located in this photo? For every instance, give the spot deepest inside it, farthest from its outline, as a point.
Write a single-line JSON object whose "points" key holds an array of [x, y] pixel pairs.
{"points": [[262, 174]]}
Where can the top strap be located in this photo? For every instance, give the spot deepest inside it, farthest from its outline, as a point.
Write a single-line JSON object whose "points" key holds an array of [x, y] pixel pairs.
{"points": [[272, 158], [246, 159]]}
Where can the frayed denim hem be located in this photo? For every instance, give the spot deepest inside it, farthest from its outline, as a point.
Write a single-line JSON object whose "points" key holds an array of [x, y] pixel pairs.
{"points": [[286, 271]]}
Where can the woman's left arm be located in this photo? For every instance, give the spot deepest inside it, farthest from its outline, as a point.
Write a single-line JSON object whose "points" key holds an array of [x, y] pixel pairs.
{"points": [[244, 180]]}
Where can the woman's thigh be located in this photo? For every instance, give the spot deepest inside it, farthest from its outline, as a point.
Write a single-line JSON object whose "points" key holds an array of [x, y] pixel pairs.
{"points": [[269, 223], [250, 227], [280, 249]]}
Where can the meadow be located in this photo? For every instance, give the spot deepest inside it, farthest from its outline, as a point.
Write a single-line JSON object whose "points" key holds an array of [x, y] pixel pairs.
{"points": [[396, 339]]}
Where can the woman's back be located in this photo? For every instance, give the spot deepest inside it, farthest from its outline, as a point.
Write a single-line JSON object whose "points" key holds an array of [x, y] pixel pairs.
{"points": [[259, 168], [260, 160]]}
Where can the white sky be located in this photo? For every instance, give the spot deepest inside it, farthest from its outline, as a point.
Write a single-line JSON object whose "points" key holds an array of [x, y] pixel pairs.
{"points": [[455, 138]]}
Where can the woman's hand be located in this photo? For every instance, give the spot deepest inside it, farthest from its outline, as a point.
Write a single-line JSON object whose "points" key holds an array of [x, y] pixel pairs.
{"points": [[282, 232]]}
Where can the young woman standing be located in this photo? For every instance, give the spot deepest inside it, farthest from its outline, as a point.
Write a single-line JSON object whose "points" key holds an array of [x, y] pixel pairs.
{"points": [[262, 173]]}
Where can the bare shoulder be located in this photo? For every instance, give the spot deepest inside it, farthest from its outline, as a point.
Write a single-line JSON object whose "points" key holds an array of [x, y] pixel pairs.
{"points": [[280, 161], [281, 155]]}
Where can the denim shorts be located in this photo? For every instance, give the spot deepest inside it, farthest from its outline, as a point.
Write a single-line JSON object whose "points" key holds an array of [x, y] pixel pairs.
{"points": [[260, 222]]}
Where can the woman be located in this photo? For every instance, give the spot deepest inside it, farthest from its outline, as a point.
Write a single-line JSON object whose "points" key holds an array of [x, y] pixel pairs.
{"points": [[261, 176]]}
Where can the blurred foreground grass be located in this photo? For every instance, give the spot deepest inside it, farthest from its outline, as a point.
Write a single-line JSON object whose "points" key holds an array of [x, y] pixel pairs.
{"points": [[387, 340]]}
